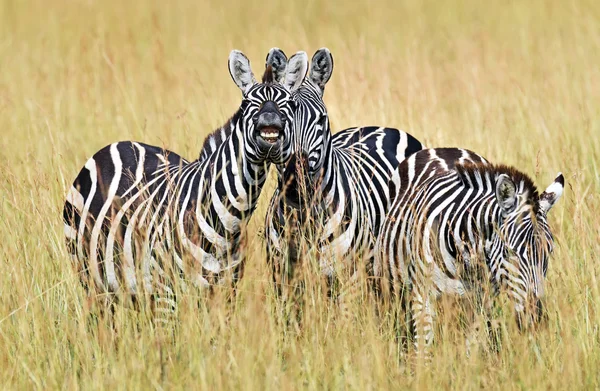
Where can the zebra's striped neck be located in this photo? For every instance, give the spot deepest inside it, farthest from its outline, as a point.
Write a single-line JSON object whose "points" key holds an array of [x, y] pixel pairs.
{"points": [[232, 172], [218, 137], [300, 188]]}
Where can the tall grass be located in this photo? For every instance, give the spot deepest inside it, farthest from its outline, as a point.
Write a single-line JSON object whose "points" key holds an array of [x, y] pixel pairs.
{"points": [[516, 81]]}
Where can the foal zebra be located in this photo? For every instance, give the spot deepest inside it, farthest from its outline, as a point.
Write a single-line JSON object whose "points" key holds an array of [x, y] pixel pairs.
{"points": [[334, 187], [136, 212], [458, 223]]}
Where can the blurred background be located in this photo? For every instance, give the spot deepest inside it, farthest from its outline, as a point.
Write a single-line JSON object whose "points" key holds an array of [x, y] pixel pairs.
{"points": [[516, 81]]}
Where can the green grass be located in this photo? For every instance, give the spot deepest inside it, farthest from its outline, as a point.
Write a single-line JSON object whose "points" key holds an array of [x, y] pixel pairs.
{"points": [[516, 81]]}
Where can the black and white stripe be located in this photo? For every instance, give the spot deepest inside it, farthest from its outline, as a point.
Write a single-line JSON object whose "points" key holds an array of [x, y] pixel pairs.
{"points": [[137, 211], [335, 187], [454, 216]]}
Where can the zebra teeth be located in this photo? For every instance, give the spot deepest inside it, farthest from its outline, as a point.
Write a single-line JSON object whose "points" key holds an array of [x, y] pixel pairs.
{"points": [[269, 134]]}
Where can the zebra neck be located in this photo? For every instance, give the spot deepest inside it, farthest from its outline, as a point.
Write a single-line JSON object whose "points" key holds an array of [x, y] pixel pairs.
{"points": [[300, 190], [329, 176], [293, 183], [235, 180], [472, 227]]}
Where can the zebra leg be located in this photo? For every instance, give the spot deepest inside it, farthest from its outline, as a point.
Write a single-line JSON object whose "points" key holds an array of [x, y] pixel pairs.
{"points": [[403, 330], [422, 316], [473, 337], [164, 309], [101, 316], [493, 328], [275, 260], [287, 278], [354, 283], [348, 295], [475, 311], [482, 327]]}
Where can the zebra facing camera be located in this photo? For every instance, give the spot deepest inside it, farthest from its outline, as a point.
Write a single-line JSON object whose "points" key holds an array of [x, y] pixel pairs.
{"points": [[269, 123]]}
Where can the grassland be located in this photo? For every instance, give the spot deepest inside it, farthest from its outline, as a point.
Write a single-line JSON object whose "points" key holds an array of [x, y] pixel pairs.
{"points": [[517, 81]]}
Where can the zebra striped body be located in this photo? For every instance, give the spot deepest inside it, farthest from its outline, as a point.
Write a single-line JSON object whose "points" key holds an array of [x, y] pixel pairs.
{"points": [[334, 189], [136, 211], [458, 223]]}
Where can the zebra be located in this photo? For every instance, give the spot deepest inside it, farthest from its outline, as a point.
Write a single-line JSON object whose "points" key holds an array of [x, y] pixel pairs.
{"points": [[133, 206], [334, 186], [459, 223]]}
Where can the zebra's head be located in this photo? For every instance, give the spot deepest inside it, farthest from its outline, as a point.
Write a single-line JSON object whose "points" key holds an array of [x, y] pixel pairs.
{"points": [[266, 110], [312, 134], [525, 241]]}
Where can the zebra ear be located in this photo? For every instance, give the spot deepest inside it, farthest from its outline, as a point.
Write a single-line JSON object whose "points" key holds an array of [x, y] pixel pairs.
{"points": [[296, 70], [277, 59], [321, 68], [506, 193], [240, 71], [552, 194]]}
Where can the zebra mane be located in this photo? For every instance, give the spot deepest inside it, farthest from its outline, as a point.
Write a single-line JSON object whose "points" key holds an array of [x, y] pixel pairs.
{"points": [[468, 172], [268, 76], [217, 137]]}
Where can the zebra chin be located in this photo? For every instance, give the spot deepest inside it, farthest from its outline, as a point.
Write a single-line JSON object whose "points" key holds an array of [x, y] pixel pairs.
{"points": [[274, 150], [262, 151], [275, 154]]}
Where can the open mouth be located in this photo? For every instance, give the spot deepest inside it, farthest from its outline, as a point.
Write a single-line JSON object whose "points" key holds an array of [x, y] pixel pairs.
{"points": [[270, 134]]}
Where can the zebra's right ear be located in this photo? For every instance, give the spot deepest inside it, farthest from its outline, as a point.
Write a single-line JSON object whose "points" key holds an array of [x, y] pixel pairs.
{"points": [[321, 68], [552, 194], [506, 193], [277, 59], [240, 71], [296, 70]]}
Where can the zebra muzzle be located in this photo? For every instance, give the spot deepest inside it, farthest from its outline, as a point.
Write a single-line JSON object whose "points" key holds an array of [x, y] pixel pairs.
{"points": [[531, 316], [269, 123]]}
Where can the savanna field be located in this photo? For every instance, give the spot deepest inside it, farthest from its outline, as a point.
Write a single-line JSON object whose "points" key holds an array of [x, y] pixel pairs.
{"points": [[518, 82]]}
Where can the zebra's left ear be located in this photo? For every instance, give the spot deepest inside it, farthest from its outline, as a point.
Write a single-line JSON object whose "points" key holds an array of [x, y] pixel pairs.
{"points": [[321, 68], [552, 194], [277, 59], [240, 71], [506, 193]]}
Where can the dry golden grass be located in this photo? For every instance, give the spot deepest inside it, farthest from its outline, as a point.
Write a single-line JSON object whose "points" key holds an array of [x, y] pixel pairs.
{"points": [[516, 81]]}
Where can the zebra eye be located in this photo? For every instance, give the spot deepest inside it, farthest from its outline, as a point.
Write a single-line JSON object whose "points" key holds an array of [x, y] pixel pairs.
{"points": [[323, 120]]}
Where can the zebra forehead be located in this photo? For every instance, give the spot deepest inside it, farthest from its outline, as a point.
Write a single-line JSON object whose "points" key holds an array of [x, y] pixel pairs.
{"points": [[308, 91], [309, 106], [268, 91]]}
